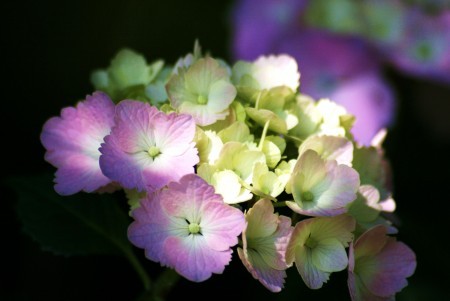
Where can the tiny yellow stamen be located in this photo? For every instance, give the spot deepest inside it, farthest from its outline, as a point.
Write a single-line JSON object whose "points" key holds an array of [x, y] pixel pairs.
{"points": [[154, 151], [202, 100], [194, 228]]}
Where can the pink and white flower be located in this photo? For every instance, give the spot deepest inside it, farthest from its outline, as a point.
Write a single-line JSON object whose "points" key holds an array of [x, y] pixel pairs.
{"points": [[187, 227], [72, 142], [147, 148]]}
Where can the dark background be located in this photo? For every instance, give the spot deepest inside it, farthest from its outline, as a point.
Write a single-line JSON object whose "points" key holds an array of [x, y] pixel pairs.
{"points": [[50, 48]]}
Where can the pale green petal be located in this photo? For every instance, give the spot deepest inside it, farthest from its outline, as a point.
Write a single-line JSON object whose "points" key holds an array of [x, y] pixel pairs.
{"points": [[275, 99], [262, 116], [154, 69], [206, 172], [311, 275], [330, 148], [307, 115], [272, 153], [312, 167], [329, 255], [266, 181], [261, 220], [202, 114], [129, 68], [240, 69], [278, 141], [229, 150], [294, 206], [284, 171], [274, 71], [340, 191], [156, 92], [134, 197], [208, 145], [238, 131], [203, 74], [309, 172], [100, 79], [244, 162], [228, 184], [331, 113], [300, 234], [339, 227], [177, 92], [221, 95]]}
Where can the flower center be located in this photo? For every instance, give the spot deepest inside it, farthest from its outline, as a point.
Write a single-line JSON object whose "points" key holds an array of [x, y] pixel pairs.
{"points": [[307, 196], [202, 99], [194, 228], [154, 151], [311, 243]]}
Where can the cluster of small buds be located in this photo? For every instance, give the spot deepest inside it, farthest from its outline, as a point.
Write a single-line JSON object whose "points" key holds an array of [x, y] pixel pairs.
{"points": [[212, 156]]}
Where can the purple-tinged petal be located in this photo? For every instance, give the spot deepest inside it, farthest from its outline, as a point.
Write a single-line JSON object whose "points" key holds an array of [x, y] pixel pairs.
{"points": [[140, 130], [72, 143], [271, 278], [379, 265]]}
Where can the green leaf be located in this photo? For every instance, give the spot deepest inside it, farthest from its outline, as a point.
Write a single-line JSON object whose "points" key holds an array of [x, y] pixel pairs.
{"points": [[72, 225]]}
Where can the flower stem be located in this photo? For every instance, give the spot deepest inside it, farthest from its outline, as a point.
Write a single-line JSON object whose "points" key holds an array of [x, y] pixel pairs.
{"points": [[279, 204], [146, 282], [161, 287]]}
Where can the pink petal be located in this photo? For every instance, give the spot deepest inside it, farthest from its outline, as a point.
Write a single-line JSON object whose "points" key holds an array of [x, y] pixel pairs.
{"points": [[162, 221], [191, 257], [72, 143], [139, 126], [221, 225], [396, 262]]}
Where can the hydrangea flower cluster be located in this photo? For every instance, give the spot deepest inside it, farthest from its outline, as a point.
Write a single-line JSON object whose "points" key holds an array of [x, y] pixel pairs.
{"points": [[216, 159]]}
